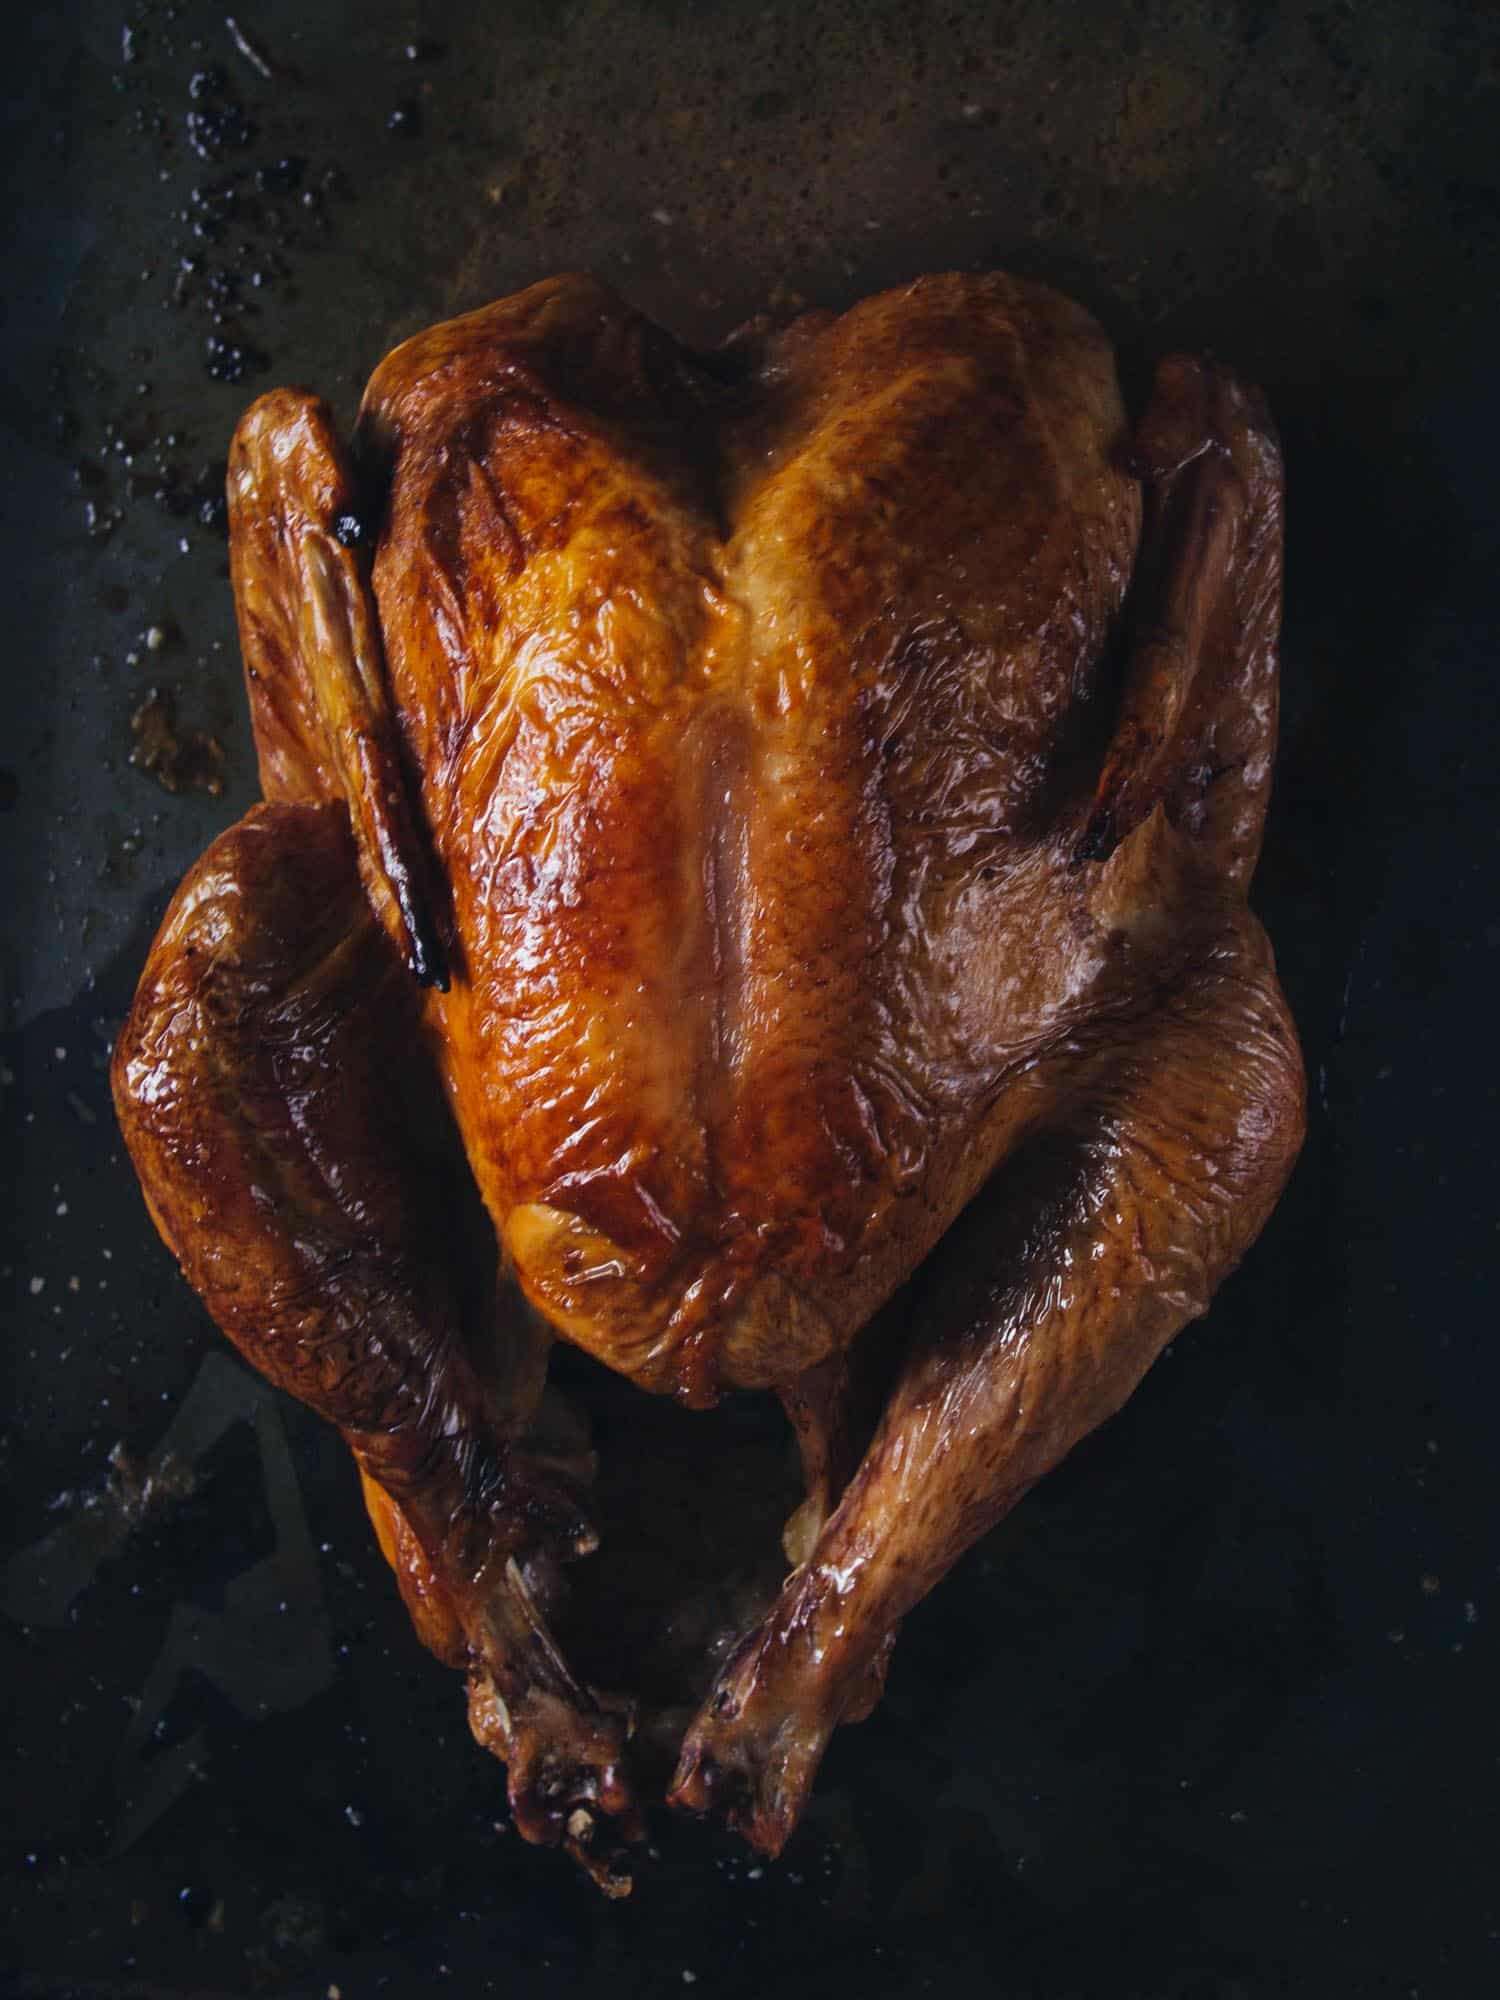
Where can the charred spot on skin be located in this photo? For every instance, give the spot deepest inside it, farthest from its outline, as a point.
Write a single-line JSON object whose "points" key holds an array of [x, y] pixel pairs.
{"points": [[1100, 839]]}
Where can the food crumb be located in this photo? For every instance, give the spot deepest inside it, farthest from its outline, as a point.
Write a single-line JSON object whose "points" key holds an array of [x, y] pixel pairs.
{"points": [[179, 759]]}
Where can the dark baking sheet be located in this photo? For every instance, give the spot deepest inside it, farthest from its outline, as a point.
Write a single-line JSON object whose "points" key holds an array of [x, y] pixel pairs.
{"points": [[1214, 1714]]}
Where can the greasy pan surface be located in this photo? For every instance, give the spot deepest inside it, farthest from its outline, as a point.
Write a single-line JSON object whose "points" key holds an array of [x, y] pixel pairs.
{"points": [[1213, 1714]]}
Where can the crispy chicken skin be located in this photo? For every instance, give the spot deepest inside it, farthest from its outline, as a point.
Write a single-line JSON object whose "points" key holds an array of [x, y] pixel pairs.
{"points": [[741, 830]]}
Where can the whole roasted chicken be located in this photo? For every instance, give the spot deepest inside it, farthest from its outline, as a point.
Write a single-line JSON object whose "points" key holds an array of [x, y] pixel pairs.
{"points": [[777, 824]]}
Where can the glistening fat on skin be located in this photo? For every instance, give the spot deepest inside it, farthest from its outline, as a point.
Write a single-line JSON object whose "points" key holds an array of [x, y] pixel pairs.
{"points": [[740, 830]]}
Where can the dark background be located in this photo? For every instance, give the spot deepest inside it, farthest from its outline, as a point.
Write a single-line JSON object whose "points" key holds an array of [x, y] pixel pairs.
{"points": [[1215, 1714]]}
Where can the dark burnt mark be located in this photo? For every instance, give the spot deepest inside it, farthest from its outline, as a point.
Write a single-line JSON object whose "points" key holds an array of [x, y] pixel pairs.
{"points": [[178, 758], [371, 461], [1100, 838]]}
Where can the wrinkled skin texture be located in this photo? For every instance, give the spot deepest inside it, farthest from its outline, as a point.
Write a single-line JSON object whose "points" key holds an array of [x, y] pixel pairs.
{"points": [[740, 831]]}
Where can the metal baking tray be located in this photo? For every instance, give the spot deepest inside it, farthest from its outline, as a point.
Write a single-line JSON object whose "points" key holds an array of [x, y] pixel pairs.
{"points": [[1213, 1714]]}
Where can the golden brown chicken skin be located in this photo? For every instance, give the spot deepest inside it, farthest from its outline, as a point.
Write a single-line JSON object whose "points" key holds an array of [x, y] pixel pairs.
{"points": [[771, 823]]}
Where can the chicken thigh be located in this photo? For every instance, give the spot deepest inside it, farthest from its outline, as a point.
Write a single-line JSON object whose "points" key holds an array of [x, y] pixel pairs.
{"points": [[743, 834]]}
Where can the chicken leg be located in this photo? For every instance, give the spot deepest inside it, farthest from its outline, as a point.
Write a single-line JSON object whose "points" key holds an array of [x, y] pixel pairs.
{"points": [[1148, 1152], [1092, 1246], [298, 1159]]}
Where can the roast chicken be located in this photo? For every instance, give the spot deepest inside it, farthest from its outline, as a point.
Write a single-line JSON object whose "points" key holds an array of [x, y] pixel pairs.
{"points": [[754, 847]]}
